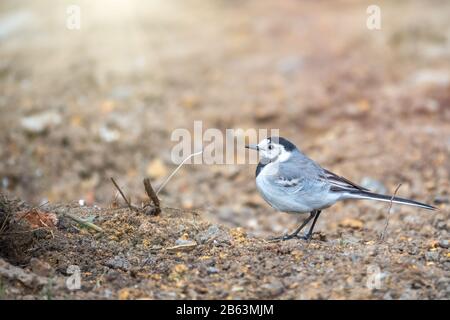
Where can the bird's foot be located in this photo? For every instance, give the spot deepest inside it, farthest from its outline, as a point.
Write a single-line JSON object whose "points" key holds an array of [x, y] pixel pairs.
{"points": [[280, 238], [289, 237], [306, 237]]}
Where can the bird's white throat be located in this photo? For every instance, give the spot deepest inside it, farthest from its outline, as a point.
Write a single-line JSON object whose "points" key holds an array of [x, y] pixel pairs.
{"points": [[271, 168], [284, 156]]}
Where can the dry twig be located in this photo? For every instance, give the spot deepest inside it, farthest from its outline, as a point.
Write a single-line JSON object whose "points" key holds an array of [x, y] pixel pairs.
{"points": [[152, 195], [123, 195], [389, 213]]}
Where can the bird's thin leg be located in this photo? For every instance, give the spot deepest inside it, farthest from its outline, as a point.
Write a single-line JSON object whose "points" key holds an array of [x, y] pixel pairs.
{"points": [[295, 233], [310, 232]]}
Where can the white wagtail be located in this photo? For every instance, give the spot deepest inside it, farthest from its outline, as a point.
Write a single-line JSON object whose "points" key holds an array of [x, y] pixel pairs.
{"points": [[291, 182]]}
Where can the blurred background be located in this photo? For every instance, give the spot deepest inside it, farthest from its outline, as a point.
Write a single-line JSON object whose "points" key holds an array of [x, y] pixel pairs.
{"points": [[80, 106]]}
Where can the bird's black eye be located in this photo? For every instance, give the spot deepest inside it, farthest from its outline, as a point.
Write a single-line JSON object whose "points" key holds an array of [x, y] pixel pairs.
{"points": [[270, 147]]}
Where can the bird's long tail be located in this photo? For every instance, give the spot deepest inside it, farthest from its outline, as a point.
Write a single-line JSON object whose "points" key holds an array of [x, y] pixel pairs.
{"points": [[385, 198]]}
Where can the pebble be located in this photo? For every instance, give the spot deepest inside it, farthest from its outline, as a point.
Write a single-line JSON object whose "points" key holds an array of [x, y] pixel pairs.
{"points": [[212, 270], [108, 135], [5, 183], [107, 294], [441, 200], [181, 242], [444, 244], [237, 289], [118, 262], [432, 255], [272, 289], [39, 123], [213, 233]]}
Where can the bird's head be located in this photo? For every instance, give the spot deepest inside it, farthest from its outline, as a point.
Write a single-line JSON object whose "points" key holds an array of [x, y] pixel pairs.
{"points": [[273, 149]]}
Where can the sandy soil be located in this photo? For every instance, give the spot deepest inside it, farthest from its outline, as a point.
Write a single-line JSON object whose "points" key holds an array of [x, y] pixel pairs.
{"points": [[179, 255], [373, 106]]}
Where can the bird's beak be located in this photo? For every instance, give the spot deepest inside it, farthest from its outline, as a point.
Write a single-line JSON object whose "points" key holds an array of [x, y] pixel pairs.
{"points": [[252, 146]]}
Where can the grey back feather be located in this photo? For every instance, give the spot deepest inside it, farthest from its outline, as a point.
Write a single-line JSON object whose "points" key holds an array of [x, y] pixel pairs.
{"points": [[300, 172]]}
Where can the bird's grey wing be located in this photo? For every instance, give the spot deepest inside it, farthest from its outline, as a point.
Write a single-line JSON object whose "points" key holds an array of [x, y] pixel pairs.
{"points": [[300, 174], [290, 184], [340, 184]]}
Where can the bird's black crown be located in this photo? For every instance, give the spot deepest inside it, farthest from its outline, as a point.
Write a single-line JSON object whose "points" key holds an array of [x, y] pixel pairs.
{"points": [[288, 146]]}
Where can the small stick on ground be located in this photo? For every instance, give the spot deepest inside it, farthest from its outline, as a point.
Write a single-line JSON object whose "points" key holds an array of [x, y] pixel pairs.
{"points": [[123, 195], [389, 213], [152, 195], [83, 222]]}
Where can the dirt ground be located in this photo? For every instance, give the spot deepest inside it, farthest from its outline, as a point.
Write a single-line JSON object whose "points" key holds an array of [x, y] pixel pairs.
{"points": [[81, 106]]}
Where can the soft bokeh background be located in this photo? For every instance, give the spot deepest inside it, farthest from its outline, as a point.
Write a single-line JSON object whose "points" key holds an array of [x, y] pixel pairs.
{"points": [[80, 106]]}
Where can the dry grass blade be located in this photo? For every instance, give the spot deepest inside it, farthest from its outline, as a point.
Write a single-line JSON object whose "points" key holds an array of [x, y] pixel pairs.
{"points": [[176, 170], [83, 222]]}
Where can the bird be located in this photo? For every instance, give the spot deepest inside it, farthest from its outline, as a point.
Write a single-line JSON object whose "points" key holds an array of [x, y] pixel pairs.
{"points": [[293, 183]]}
